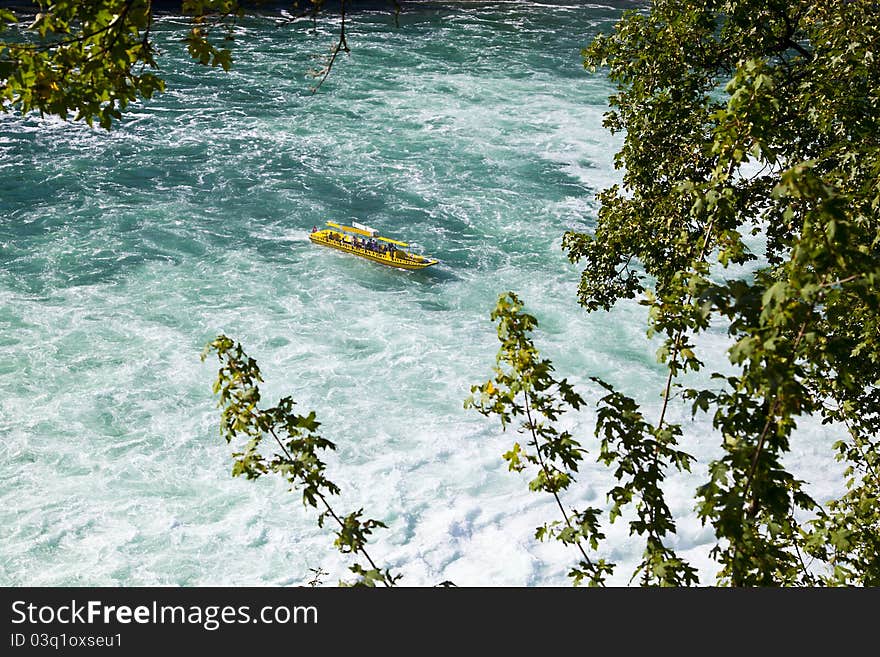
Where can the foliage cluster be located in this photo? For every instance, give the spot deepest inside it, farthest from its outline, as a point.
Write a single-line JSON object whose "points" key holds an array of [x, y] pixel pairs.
{"points": [[752, 138]]}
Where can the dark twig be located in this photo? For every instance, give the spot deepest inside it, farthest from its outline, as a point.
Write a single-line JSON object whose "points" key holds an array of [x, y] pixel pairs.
{"points": [[341, 45]]}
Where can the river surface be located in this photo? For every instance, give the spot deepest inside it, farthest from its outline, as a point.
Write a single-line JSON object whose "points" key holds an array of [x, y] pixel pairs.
{"points": [[471, 131]]}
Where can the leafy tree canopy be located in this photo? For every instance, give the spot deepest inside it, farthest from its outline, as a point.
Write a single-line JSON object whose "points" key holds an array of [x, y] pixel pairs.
{"points": [[752, 136]]}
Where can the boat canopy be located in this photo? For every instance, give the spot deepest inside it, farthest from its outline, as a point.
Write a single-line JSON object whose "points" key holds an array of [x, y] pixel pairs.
{"points": [[370, 231], [361, 229]]}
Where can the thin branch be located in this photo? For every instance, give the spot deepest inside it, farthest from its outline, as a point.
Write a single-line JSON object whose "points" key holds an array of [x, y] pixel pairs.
{"points": [[555, 494], [841, 281], [330, 510], [677, 342], [397, 8], [341, 44], [56, 44], [625, 266], [807, 576]]}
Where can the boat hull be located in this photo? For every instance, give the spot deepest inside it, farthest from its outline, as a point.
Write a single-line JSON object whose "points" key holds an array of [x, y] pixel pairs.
{"points": [[399, 261]]}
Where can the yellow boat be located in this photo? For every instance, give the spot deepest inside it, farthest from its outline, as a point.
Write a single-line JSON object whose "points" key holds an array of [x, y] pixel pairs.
{"points": [[365, 242]]}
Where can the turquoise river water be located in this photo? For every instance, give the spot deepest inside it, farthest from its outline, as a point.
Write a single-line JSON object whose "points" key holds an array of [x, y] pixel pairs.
{"points": [[472, 131]]}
